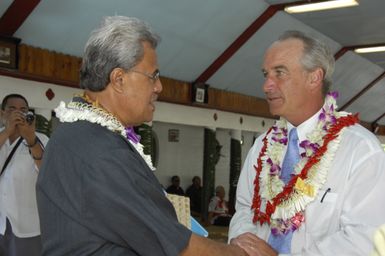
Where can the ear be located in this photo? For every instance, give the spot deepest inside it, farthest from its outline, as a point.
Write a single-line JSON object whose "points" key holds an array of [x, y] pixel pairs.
{"points": [[316, 78], [116, 79]]}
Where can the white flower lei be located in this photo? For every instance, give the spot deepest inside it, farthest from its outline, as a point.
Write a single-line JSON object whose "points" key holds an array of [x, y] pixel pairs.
{"points": [[82, 111], [272, 185]]}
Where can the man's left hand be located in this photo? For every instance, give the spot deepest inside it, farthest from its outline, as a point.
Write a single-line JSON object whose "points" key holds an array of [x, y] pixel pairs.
{"points": [[27, 131], [253, 245]]}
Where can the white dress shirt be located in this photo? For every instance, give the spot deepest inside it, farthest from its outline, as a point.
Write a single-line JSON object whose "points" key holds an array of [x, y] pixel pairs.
{"points": [[344, 222], [17, 190]]}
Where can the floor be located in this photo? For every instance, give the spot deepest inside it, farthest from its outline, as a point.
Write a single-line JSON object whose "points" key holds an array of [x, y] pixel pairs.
{"points": [[218, 233]]}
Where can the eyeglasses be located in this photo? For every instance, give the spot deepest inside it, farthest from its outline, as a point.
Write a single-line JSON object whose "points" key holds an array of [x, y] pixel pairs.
{"points": [[153, 77]]}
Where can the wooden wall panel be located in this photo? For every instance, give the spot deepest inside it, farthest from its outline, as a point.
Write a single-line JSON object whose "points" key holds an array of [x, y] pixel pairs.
{"points": [[40, 62], [239, 103], [175, 91]]}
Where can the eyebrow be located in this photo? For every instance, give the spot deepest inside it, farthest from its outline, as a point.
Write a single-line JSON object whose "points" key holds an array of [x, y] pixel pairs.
{"points": [[275, 67], [280, 67], [24, 109]]}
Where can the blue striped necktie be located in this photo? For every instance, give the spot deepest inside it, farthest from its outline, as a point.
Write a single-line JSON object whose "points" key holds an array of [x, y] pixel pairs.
{"points": [[282, 242]]}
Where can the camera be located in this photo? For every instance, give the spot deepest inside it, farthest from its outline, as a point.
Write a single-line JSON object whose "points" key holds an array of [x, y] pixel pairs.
{"points": [[29, 117]]}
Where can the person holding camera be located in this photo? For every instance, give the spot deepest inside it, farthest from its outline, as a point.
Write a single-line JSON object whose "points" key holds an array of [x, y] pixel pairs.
{"points": [[21, 152]]}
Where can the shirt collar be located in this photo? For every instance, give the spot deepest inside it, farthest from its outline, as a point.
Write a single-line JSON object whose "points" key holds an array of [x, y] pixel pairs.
{"points": [[304, 128]]}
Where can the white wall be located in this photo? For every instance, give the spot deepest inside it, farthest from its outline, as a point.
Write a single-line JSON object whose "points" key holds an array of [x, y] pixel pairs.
{"points": [[248, 141], [180, 114], [183, 158], [34, 92], [381, 138]]}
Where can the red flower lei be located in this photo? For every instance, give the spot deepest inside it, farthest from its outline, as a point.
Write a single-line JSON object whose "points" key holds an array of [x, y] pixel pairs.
{"points": [[332, 133]]}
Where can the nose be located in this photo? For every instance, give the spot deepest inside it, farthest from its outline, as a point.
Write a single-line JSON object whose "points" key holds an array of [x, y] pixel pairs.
{"points": [[158, 86], [268, 85]]}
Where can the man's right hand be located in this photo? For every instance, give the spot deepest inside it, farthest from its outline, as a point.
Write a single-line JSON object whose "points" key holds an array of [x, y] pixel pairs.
{"points": [[14, 119]]}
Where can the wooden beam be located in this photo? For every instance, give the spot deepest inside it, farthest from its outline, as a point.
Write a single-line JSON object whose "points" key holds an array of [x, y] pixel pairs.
{"points": [[341, 52], [365, 45], [15, 16], [345, 49], [365, 89], [379, 118]]}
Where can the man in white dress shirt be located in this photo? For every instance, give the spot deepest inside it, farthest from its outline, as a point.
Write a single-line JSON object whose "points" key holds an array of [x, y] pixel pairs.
{"points": [[19, 220], [334, 199]]}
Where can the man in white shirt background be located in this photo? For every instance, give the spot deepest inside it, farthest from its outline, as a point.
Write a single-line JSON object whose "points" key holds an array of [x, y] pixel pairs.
{"points": [[21, 152]]}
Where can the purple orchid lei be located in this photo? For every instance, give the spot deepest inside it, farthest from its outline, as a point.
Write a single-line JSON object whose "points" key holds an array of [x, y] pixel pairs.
{"points": [[282, 227], [131, 135]]}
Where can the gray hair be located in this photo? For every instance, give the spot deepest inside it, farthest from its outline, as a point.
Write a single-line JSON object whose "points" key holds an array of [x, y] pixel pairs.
{"points": [[316, 55], [219, 188], [116, 43]]}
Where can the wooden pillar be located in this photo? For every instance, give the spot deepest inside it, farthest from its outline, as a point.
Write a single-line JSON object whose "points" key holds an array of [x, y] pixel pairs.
{"points": [[209, 162], [235, 166]]}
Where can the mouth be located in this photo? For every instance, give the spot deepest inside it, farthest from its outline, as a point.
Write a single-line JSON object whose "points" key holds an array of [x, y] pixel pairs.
{"points": [[152, 101], [272, 98]]}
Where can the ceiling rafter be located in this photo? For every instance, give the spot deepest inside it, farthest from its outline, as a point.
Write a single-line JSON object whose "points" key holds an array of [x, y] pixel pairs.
{"points": [[378, 119], [344, 50], [243, 38], [234, 47], [365, 89], [15, 16]]}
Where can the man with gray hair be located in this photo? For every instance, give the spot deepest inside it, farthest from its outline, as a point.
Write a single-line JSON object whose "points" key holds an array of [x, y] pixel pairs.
{"points": [[313, 183], [96, 192]]}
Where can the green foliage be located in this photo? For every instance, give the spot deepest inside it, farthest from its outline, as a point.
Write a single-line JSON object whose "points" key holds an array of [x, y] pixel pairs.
{"points": [[147, 140], [217, 153], [43, 125], [211, 156]]}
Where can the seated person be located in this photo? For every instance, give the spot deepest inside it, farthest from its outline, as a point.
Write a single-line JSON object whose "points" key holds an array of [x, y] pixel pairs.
{"points": [[218, 209], [194, 192], [175, 188]]}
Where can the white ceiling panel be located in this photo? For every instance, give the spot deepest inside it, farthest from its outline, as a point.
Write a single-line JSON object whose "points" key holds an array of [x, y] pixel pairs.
{"points": [[352, 74], [366, 107], [245, 65]]}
